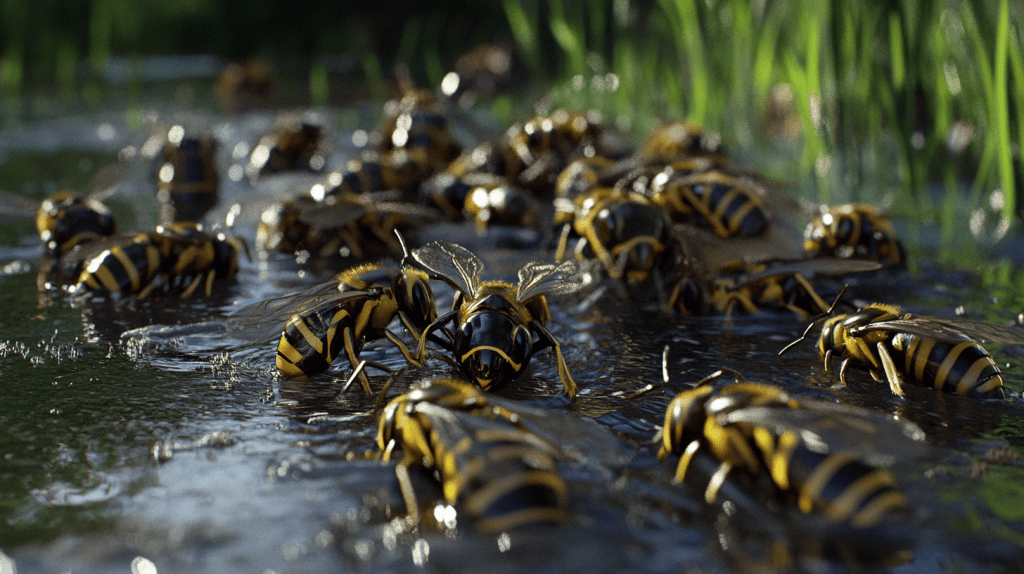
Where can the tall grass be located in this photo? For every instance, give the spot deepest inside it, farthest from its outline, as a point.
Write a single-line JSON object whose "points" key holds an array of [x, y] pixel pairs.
{"points": [[893, 98]]}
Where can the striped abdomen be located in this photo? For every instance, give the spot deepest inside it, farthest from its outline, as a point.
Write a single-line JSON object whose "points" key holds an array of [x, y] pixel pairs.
{"points": [[963, 367], [840, 487], [123, 269], [725, 205], [310, 342]]}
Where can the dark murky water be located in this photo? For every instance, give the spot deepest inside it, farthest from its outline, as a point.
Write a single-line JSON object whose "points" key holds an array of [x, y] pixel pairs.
{"points": [[146, 430]]}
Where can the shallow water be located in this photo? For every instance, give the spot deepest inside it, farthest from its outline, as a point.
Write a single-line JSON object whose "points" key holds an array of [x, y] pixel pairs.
{"points": [[148, 429]]}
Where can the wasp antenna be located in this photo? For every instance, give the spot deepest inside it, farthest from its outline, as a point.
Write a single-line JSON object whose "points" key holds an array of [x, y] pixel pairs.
{"points": [[839, 297], [405, 250], [802, 337]]}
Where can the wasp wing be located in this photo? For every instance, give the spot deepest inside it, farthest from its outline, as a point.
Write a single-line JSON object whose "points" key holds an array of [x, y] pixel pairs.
{"points": [[452, 264], [266, 319], [537, 278], [327, 216], [949, 330], [808, 268], [832, 427]]}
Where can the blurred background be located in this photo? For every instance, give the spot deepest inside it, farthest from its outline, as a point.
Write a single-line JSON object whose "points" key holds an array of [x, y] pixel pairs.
{"points": [[916, 105]]}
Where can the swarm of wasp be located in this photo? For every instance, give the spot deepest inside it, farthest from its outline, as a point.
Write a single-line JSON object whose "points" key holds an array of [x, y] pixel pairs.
{"points": [[178, 258], [813, 454], [900, 347], [854, 231], [501, 474], [498, 326], [317, 324]]}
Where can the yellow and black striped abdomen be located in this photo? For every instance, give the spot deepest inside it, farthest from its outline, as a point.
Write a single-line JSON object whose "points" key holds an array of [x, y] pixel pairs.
{"points": [[962, 367], [841, 487], [716, 201], [310, 342], [124, 269]]}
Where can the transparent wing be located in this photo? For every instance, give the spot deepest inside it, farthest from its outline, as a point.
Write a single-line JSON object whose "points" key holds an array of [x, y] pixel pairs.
{"points": [[322, 216], [537, 278], [16, 208], [831, 427], [265, 320], [808, 268], [451, 263], [950, 330]]}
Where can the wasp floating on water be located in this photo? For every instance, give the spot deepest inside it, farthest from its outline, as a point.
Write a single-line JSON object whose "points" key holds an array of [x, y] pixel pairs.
{"points": [[498, 326], [356, 225], [292, 146], [815, 455], [187, 182], [317, 324], [501, 474], [483, 198], [177, 258], [67, 220], [900, 347], [854, 231]]}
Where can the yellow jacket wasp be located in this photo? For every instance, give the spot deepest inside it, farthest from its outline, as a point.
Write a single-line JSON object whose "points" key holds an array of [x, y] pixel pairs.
{"points": [[898, 347], [502, 475], [815, 455], [498, 326]]}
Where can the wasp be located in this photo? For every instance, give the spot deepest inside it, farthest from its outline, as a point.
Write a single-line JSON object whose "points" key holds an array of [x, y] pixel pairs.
{"points": [[187, 182], [482, 198], [501, 474], [853, 231], [354, 225], [728, 205], [292, 146], [417, 123], [486, 69], [67, 220], [681, 140], [245, 86], [340, 316], [178, 258], [498, 326], [900, 347], [750, 285], [814, 454], [634, 241], [398, 170]]}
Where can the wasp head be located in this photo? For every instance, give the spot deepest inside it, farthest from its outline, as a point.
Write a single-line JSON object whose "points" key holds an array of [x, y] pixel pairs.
{"points": [[635, 234], [492, 348]]}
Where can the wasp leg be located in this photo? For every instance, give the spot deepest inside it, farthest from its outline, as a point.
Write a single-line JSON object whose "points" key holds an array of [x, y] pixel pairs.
{"points": [[438, 323], [715, 484], [546, 339], [827, 359], [684, 461], [563, 242], [402, 347], [209, 282], [149, 288], [353, 359], [842, 371], [895, 380], [408, 494]]}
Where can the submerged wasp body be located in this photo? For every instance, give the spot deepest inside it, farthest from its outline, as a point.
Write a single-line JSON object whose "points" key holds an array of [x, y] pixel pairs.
{"points": [[176, 258], [483, 198], [498, 326], [927, 351], [502, 475], [811, 453]]}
